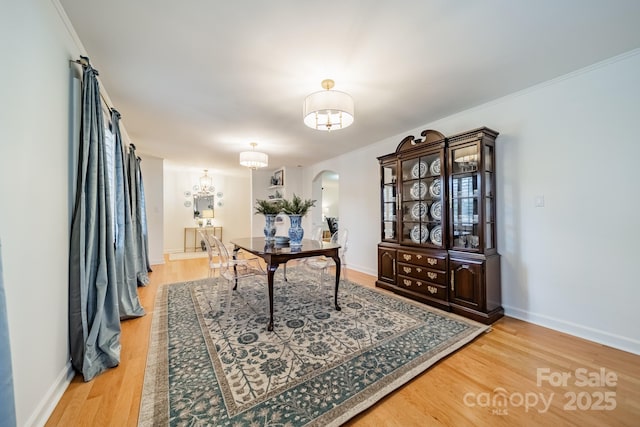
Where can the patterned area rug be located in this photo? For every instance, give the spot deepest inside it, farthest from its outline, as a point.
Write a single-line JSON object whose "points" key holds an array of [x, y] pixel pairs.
{"points": [[212, 362]]}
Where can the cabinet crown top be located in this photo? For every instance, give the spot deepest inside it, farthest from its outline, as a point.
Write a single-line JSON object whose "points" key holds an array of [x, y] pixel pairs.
{"points": [[433, 137]]}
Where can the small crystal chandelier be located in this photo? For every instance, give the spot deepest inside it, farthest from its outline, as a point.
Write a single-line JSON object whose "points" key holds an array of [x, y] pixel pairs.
{"points": [[254, 159], [206, 183], [328, 109]]}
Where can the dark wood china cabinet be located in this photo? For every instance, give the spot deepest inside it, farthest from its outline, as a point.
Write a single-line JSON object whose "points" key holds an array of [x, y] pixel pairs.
{"points": [[438, 228]]}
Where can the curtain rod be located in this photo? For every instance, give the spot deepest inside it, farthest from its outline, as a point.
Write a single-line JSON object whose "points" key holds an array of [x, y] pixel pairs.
{"points": [[81, 61], [85, 63]]}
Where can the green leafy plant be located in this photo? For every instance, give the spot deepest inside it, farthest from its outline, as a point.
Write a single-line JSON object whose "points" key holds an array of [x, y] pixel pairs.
{"points": [[268, 207], [297, 206]]}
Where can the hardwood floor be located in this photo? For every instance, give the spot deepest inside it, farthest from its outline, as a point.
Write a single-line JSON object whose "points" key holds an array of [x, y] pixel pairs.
{"points": [[489, 382]]}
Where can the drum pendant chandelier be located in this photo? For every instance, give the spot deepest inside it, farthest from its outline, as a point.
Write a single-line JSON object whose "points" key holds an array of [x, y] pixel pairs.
{"points": [[328, 109], [254, 159]]}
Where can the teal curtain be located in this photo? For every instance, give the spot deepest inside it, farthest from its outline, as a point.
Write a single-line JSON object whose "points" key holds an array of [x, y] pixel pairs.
{"points": [[138, 215], [143, 216], [125, 242], [7, 402], [94, 317]]}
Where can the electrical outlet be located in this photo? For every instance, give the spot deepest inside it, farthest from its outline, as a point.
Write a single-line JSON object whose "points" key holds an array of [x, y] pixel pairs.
{"points": [[539, 202]]}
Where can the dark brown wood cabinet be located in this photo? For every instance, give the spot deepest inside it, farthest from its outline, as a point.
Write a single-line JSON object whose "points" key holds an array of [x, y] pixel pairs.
{"points": [[438, 223]]}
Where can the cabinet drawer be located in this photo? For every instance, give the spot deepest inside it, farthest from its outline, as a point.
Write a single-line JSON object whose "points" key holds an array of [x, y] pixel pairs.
{"points": [[421, 273], [425, 260], [431, 289]]}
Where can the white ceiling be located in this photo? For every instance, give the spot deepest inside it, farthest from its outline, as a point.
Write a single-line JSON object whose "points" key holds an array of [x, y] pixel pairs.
{"points": [[196, 81]]}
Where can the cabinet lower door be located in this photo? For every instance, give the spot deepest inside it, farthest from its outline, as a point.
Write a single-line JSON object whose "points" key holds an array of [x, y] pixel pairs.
{"points": [[467, 283], [387, 265]]}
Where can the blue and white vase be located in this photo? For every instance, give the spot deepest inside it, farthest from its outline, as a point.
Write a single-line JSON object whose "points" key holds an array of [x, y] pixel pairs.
{"points": [[270, 227], [295, 230]]}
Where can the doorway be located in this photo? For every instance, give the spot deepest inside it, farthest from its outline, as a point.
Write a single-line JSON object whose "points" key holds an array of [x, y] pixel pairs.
{"points": [[326, 190]]}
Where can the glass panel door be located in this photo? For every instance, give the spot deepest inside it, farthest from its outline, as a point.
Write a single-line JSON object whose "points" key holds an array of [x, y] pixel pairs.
{"points": [[421, 209], [389, 202], [465, 211], [489, 190], [466, 198], [465, 159]]}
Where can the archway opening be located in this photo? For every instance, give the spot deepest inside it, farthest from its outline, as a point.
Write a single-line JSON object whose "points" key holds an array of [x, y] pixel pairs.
{"points": [[326, 190]]}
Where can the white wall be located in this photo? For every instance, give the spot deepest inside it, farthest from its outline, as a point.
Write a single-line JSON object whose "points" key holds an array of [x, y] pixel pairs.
{"points": [[359, 203], [34, 168], [233, 217], [571, 265], [260, 182]]}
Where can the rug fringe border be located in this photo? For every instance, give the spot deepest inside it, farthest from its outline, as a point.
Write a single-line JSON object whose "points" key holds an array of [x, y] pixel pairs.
{"points": [[154, 412]]}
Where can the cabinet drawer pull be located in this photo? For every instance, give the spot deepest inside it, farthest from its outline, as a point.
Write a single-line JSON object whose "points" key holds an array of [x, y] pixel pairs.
{"points": [[453, 286], [432, 261], [431, 275], [432, 289], [419, 270], [406, 257], [407, 282], [407, 269], [419, 256], [419, 283]]}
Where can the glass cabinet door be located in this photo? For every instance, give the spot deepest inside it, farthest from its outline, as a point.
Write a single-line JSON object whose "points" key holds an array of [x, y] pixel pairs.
{"points": [[466, 198], [421, 208], [489, 199], [389, 202]]}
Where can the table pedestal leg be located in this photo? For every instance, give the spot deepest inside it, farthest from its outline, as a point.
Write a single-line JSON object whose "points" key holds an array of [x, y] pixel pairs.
{"points": [[271, 269], [336, 259], [235, 270]]}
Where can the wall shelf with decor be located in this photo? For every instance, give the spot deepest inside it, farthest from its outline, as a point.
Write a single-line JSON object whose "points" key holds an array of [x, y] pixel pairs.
{"points": [[438, 223], [263, 189], [276, 187]]}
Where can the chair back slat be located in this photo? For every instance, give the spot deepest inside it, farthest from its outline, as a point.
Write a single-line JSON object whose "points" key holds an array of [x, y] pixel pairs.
{"points": [[223, 254], [317, 234], [340, 237], [231, 268]]}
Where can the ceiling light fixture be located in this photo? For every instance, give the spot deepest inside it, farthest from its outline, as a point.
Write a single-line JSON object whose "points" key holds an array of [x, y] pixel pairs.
{"points": [[328, 109], [206, 183], [254, 159]]}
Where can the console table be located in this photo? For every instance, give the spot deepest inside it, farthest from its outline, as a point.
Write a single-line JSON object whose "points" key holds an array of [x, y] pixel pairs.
{"points": [[192, 238]]}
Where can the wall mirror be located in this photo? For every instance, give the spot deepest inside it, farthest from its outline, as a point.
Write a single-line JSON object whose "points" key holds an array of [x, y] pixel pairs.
{"points": [[203, 205]]}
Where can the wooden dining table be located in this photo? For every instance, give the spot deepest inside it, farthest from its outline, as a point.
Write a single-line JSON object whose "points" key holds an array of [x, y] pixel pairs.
{"points": [[275, 254]]}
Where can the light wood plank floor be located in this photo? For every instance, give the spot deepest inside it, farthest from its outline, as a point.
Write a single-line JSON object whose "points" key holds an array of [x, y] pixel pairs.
{"points": [[489, 382]]}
